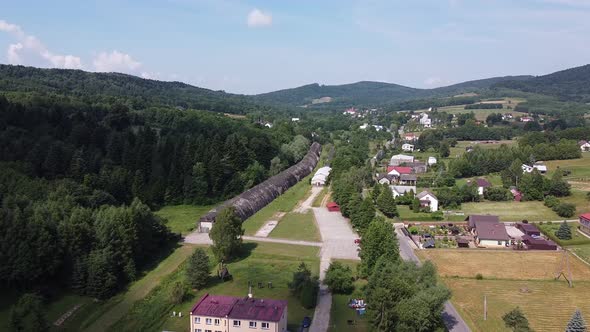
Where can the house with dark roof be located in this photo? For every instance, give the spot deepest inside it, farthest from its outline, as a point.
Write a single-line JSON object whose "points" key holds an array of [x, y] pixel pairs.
{"points": [[408, 179], [538, 243], [481, 185], [528, 229], [234, 314], [489, 231]]}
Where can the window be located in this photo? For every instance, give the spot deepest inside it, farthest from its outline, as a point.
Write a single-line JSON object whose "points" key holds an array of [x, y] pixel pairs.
{"points": [[208, 331], [237, 323], [264, 326], [252, 325], [198, 330], [208, 321], [198, 320], [499, 243], [216, 321]]}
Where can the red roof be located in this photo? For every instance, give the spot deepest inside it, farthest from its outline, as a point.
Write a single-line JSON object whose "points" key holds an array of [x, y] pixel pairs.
{"points": [[332, 204], [585, 216], [240, 308], [214, 305], [400, 169]]}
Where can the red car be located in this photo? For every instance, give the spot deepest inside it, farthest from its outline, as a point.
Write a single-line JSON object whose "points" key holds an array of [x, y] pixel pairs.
{"points": [[357, 241]]}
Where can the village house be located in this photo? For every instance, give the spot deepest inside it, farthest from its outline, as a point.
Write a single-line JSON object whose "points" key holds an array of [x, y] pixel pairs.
{"points": [[402, 190], [585, 223], [539, 166], [584, 146], [364, 126], [488, 230], [516, 194], [425, 120], [408, 179], [481, 185], [233, 314], [399, 159], [408, 147], [417, 166], [386, 179], [428, 199], [526, 119], [507, 116], [410, 137], [397, 171]]}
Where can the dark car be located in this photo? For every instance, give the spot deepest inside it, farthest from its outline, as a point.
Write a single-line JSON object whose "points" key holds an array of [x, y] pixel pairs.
{"points": [[306, 322]]}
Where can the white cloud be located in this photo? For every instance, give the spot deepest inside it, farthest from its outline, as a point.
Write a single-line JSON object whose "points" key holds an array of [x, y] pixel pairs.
{"points": [[258, 18], [115, 61], [31, 48]]}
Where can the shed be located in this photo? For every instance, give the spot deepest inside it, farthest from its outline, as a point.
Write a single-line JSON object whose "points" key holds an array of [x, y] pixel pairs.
{"points": [[429, 243], [529, 229], [537, 243], [333, 207], [462, 243]]}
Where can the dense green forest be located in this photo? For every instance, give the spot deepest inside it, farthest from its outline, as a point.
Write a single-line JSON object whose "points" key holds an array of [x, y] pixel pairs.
{"points": [[568, 85], [110, 88], [77, 183]]}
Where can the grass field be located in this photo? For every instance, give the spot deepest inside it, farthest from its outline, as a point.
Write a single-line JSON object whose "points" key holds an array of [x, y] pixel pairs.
{"points": [[118, 306], [459, 149], [582, 250], [405, 214], [340, 314], [502, 264], [512, 211], [284, 203], [577, 238], [183, 218], [548, 305], [481, 114], [524, 279], [579, 167], [263, 262], [297, 226]]}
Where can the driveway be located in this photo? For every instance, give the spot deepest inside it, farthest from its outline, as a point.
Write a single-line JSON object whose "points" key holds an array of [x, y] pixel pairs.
{"points": [[306, 204], [203, 238], [451, 317]]}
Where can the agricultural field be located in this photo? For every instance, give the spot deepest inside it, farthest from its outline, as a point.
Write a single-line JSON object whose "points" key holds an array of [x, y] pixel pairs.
{"points": [[261, 262], [580, 168], [183, 218], [297, 226], [510, 279], [512, 211], [459, 149], [481, 114]]}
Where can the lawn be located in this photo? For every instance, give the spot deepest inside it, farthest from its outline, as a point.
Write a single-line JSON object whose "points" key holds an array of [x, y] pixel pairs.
{"points": [[502, 264], [512, 211], [118, 306], [579, 199], [340, 314], [262, 262], [284, 203], [548, 305], [549, 229], [405, 214], [297, 226], [317, 202], [183, 218], [583, 251], [580, 168]]}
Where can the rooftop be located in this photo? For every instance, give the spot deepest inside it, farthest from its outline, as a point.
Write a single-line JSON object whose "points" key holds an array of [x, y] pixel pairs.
{"points": [[478, 217], [240, 308], [487, 230]]}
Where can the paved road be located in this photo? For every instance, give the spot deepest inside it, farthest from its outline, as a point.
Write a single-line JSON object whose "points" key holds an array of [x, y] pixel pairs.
{"points": [[451, 317], [306, 205], [338, 242]]}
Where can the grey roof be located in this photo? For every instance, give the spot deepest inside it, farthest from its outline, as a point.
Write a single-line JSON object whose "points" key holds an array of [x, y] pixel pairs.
{"points": [[408, 177], [424, 193], [403, 189], [478, 217]]}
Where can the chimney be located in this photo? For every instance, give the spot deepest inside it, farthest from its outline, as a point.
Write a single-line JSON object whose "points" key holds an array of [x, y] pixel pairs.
{"points": [[250, 292]]}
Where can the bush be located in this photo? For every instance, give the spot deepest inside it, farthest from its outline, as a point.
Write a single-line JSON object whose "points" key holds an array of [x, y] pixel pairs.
{"points": [[309, 293], [479, 276], [339, 278], [497, 194], [438, 215], [413, 230], [178, 293], [564, 232], [551, 201], [565, 210], [197, 269]]}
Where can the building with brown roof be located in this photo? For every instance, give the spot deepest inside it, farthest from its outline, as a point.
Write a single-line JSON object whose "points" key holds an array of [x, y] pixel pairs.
{"points": [[215, 313], [489, 231]]}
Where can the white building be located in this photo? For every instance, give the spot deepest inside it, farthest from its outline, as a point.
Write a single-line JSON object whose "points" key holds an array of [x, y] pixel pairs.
{"points": [[364, 126], [401, 190], [431, 161], [408, 147], [427, 199], [542, 168], [399, 159], [584, 146], [321, 176], [425, 120], [294, 119]]}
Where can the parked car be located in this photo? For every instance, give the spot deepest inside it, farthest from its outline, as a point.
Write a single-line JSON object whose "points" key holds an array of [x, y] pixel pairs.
{"points": [[357, 241], [306, 322]]}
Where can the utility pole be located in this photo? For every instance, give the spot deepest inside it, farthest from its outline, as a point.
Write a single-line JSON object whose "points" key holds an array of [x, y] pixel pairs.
{"points": [[485, 307]]}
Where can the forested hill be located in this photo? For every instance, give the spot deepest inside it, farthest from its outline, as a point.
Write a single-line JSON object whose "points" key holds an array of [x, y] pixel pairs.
{"points": [[373, 93], [109, 88], [569, 85]]}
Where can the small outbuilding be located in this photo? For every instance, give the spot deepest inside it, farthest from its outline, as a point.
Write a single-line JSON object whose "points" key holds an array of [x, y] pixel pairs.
{"points": [[538, 243], [429, 243], [333, 207], [528, 229]]}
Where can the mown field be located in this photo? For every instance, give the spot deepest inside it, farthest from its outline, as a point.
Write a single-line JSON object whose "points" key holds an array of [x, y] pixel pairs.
{"points": [[183, 218], [501, 264], [297, 226], [510, 279], [261, 262], [512, 211]]}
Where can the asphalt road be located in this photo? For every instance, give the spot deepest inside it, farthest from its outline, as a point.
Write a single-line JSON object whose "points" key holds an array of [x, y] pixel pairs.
{"points": [[451, 317]]}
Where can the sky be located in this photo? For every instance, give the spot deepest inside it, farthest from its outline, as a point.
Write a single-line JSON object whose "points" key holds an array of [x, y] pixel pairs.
{"points": [[260, 46]]}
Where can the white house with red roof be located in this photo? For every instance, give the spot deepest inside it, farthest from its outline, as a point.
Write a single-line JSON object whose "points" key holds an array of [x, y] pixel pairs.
{"points": [[397, 171], [585, 223]]}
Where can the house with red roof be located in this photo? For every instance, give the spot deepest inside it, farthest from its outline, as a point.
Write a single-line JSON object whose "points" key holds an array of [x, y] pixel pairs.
{"points": [[585, 223], [397, 171], [234, 314]]}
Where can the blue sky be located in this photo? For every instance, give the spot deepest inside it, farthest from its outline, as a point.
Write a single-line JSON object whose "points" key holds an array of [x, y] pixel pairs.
{"points": [[260, 46]]}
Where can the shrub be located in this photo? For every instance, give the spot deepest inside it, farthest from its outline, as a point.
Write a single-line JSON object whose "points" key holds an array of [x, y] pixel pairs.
{"points": [[309, 293], [479, 276], [197, 269], [564, 232], [551, 201], [438, 215], [178, 293], [565, 210], [413, 230]]}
